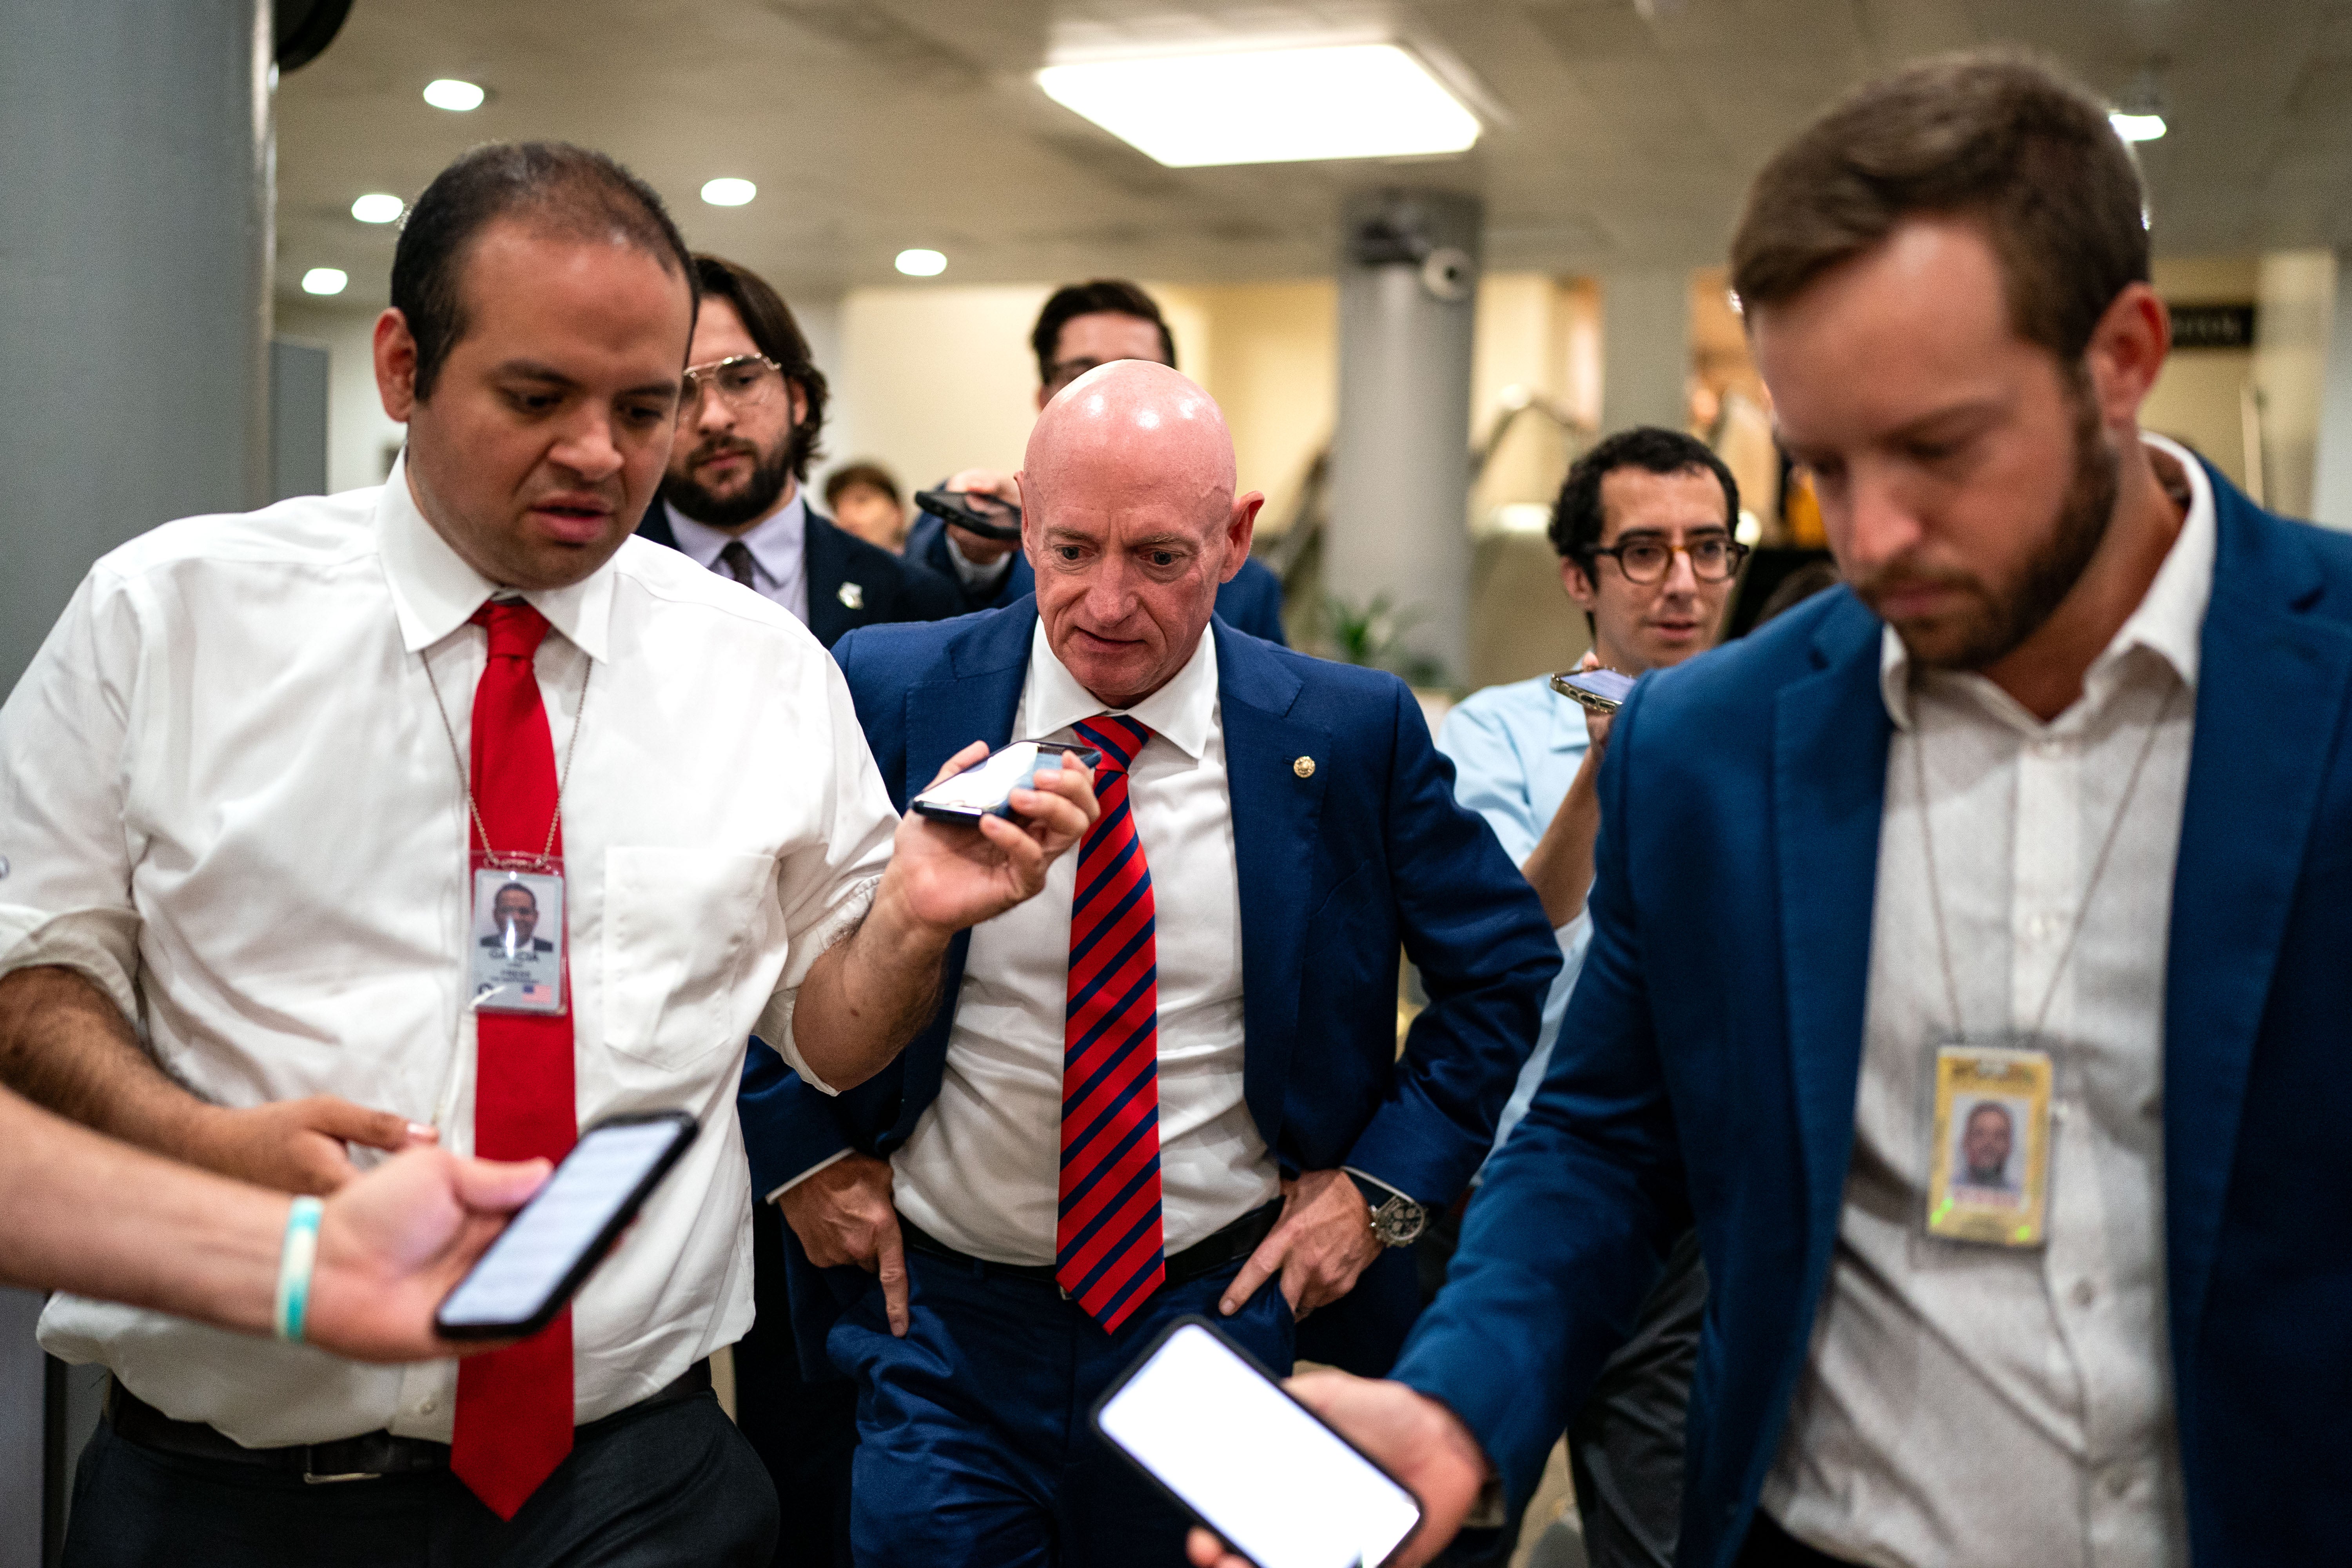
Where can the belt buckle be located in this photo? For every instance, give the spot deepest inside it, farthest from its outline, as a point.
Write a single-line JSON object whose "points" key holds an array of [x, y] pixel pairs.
{"points": [[313, 1478]]}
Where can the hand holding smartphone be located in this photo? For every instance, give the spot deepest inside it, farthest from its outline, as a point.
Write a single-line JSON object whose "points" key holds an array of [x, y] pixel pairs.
{"points": [[985, 788], [549, 1250], [1602, 690], [1219, 1436]]}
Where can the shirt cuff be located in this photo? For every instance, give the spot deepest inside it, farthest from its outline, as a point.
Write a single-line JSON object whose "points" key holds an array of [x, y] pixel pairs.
{"points": [[973, 573], [1367, 1176], [832, 1159], [102, 945]]}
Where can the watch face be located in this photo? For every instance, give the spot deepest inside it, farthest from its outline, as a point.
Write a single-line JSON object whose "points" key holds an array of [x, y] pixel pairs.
{"points": [[1398, 1222]]}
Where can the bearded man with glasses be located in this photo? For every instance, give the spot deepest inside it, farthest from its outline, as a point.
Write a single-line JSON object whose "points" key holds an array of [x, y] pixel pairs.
{"points": [[734, 496], [1643, 528]]}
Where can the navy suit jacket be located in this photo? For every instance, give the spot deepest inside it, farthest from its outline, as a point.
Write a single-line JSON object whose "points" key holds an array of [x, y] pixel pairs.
{"points": [[1336, 869], [1250, 603], [1711, 1054], [885, 587]]}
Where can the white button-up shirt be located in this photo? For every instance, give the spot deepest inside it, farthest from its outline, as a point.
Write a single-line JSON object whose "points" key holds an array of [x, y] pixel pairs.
{"points": [[982, 1170], [777, 544], [1976, 1404], [226, 797]]}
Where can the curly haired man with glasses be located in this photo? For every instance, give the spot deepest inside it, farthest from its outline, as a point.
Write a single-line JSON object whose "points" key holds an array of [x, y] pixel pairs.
{"points": [[1643, 528]]}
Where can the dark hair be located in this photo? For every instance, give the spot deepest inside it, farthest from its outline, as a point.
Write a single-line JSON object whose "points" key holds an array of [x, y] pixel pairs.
{"points": [[872, 475], [552, 185], [770, 321], [1071, 300], [1996, 137], [1576, 519]]}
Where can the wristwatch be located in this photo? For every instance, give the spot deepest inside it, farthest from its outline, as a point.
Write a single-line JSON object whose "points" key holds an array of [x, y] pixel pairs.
{"points": [[1397, 1220]]}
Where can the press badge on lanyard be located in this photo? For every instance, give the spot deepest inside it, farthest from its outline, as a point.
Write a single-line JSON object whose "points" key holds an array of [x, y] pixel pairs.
{"points": [[1989, 1143], [515, 958], [516, 940], [1988, 1133]]}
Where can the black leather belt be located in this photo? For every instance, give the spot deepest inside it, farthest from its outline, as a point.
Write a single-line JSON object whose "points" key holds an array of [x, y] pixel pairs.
{"points": [[1207, 1255], [366, 1458]]}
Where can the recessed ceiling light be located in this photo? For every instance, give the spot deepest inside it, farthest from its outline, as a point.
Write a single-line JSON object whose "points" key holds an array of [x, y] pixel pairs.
{"points": [[378, 208], [1271, 106], [324, 280], [451, 94], [729, 192], [2137, 127], [922, 263]]}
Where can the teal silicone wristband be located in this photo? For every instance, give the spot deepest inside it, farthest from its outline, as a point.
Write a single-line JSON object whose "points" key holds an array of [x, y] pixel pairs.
{"points": [[295, 1261]]}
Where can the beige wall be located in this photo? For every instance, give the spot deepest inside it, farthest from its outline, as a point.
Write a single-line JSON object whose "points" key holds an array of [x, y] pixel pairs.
{"points": [[2199, 396], [359, 436]]}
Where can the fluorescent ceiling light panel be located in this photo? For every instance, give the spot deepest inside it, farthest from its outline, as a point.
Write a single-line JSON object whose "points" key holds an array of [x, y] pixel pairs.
{"points": [[449, 93], [1269, 106]]}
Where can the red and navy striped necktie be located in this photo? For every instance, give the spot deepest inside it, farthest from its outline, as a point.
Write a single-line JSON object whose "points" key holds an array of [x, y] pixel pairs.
{"points": [[1107, 1240]]}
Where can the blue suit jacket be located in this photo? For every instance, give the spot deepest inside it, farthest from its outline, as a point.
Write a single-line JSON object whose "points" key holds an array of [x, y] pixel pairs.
{"points": [[1336, 871], [1709, 1062], [1252, 601]]}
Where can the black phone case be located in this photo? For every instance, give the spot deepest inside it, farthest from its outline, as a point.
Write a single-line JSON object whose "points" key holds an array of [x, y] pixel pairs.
{"points": [[1093, 1419], [970, 816], [689, 1128], [950, 505]]}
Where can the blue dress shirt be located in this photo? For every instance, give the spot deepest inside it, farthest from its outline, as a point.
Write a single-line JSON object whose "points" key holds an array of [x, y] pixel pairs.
{"points": [[1515, 750]]}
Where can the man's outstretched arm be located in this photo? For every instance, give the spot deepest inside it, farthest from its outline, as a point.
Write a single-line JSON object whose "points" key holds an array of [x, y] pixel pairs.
{"points": [[91, 1216], [65, 1045]]}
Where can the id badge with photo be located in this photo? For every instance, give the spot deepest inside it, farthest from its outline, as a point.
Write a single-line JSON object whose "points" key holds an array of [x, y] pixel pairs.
{"points": [[1988, 1165], [515, 940]]}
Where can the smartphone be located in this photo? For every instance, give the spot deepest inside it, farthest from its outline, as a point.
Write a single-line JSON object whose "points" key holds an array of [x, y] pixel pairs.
{"points": [[550, 1247], [985, 788], [1217, 1433], [986, 515], [1602, 690]]}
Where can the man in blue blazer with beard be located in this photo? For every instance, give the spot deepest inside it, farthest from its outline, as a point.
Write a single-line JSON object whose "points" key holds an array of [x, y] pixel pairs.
{"points": [[2051, 809], [1178, 1090]]}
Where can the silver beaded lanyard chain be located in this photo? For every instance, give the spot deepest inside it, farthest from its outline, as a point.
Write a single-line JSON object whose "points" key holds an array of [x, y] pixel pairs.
{"points": [[495, 858], [2081, 912]]}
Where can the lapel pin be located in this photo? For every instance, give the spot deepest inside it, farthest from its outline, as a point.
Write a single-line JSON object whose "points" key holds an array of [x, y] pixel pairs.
{"points": [[1304, 767], [852, 596]]}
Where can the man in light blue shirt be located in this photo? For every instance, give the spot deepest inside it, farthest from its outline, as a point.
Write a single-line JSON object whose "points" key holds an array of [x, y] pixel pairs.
{"points": [[1645, 531]]}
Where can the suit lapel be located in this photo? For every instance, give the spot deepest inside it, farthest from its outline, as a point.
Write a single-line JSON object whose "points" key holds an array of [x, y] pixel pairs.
{"points": [[2270, 700], [825, 563], [1275, 827], [1829, 789]]}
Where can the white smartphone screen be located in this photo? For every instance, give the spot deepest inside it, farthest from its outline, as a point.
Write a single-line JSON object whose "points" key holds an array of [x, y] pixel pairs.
{"points": [[563, 1218], [1277, 1484], [984, 784]]}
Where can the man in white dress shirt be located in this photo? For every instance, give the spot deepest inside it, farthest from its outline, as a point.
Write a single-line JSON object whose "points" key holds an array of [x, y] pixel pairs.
{"points": [[254, 789]]}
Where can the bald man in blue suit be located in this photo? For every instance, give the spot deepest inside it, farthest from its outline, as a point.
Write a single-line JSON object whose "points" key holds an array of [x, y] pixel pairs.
{"points": [[1294, 827]]}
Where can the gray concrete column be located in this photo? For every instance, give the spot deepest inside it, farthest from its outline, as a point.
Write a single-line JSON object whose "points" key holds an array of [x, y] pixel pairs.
{"points": [[1401, 454], [2331, 498], [1645, 357], [138, 195]]}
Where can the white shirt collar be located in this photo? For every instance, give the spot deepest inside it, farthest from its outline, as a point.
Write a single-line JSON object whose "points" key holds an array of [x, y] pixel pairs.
{"points": [[1180, 712], [2169, 621], [434, 589], [775, 541]]}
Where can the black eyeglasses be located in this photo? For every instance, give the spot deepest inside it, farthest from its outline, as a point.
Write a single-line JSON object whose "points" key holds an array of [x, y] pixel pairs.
{"points": [[1713, 558]]}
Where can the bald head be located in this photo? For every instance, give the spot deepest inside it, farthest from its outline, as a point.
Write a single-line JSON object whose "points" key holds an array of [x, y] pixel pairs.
{"points": [[1131, 522]]}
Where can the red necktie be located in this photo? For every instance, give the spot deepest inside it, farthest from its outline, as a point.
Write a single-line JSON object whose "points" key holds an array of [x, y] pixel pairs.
{"points": [[514, 1406], [1108, 1240]]}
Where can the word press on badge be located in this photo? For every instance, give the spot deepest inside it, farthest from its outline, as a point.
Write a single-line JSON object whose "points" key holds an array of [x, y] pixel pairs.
{"points": [[516, 951], [1989, 1180]]}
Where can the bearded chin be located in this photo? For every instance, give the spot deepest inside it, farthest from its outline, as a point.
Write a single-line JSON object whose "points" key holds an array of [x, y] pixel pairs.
{"points": [[755, 500], [2067, 547]]}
